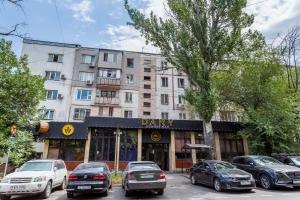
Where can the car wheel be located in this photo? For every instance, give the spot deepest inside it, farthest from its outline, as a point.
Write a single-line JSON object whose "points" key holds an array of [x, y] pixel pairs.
{"points": [[128, 193], [63, 184], [47, 192], [265, 182], [160, 192], [248, 190], [70, 195], [217, 185], [105, 193], [5, 197], [193, 180]]}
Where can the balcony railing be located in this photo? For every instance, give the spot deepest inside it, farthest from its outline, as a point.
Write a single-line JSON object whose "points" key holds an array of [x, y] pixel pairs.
{"points": [[107, 100], [108, 81]]}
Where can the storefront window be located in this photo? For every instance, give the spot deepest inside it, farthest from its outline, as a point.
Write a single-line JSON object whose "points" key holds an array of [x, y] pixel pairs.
{"points": [[231, 145], [67, 150], [182, 138], [201, 153], [128, 145]]}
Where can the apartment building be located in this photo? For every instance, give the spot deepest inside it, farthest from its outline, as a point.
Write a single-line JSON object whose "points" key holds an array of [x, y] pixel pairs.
{"points": [[106, 94]]}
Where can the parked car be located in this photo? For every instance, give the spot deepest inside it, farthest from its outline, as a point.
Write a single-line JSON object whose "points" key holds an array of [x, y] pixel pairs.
{"points": [[221, 175], [34, 177], [268, 171], [288, 159], [143, 176], [89, 178]]}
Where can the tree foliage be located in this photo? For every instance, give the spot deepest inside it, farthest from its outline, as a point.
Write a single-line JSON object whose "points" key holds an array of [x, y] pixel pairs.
{"points": [[20, 94]]}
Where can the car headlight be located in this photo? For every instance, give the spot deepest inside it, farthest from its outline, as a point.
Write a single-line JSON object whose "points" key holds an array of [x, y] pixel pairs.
{"points": [[252, 178], [39, 179], [5, 180], [227, 177]]}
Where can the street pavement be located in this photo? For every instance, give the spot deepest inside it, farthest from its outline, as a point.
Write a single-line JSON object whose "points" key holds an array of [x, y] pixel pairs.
{"points": [[179, 188]]}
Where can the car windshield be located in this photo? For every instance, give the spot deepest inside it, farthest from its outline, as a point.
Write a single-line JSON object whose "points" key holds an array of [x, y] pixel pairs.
{"points": [[142, 166], [266, 161], [223, 165], [90, 166], [36, 166], [296, 160]]}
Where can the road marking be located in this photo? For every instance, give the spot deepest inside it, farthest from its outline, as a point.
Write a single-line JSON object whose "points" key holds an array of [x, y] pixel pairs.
{"points": [[266, 195], [288, 194], [244, 196], [221, 197]]}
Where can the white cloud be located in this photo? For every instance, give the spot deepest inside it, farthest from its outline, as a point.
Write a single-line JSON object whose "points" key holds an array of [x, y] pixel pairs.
{"points": [[82, 11]]}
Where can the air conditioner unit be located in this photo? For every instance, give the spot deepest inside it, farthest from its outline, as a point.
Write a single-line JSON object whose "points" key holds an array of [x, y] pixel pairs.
{"points": [[89, 82], [63, 77], [60, 96]]}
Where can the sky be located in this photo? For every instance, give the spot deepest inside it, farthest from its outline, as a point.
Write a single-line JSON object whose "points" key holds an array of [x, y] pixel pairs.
{"points": [[103, 23]]}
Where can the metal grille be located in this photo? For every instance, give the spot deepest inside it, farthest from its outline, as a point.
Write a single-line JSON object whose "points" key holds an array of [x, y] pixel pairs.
{"points": [[242, 178], [294, 175], [20, 180]]}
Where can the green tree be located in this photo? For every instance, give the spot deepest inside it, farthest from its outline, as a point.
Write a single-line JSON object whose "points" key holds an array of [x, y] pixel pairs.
{"points": [[198, 36], [20, 94]]}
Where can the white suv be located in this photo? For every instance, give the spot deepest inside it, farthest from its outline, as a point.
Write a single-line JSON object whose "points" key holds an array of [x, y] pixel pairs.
{"points": [[34, 177]]}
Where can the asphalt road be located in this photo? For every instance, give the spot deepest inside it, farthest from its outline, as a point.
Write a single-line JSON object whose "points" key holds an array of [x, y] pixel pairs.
{"points": [[179, 188]]}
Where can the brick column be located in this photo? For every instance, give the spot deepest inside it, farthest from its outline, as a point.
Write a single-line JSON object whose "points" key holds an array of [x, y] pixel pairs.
{"points": [[245, 145], [217, 146], [139, 145], [193, 139], [46, 148], [172, 157], [87, 146]]}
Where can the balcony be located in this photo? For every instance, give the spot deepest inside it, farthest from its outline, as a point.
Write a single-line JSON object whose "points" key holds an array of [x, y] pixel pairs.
{"points": [[108, 83], [107, 101]]}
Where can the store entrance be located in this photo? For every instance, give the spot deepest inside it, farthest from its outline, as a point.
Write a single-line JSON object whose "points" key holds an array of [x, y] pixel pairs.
{"points": [[158, 153]]}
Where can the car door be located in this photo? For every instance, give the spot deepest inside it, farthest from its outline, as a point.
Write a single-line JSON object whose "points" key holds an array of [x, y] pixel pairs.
{"points": [[197, 172], [61, 171], [249, 166], [206, 174], [56, 178]]}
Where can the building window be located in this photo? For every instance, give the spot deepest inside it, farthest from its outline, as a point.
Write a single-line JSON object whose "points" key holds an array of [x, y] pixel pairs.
{"points": [[86, 76], [67, 150], [128, 97], [48, 114], [164, 99], [180, 99], [130, 62], [146, 113], [164, 81], [164, 115], [110, 57], [163, 65], [180, 83], [100, 111], [81, 113], [147, 104], [200, 153], [111, 111], [55, 58], [147, 95], [182, 116], [84, 95], [182, 138], [128, 114], [52, 75], [109, 73], [147, 78], [129, 79], [147, 69], [147, 86], [128, 145], [52, 94], [88, 59], [108, 94], [231, 145], [228, 116], [147, 61]]}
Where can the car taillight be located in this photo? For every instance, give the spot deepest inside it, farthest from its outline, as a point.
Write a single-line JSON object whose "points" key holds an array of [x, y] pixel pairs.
{"points": [[131, 176], [73, 177], [162, 175], [99, 177]]}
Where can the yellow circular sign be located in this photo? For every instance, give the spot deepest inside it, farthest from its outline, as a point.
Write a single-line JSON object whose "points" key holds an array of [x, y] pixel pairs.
{"points": [[155, 136], [68, 130]]}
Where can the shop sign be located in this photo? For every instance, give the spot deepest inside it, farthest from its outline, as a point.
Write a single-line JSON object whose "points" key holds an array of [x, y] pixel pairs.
{"points": [[157, 123], [155, 136], [68, 130]]}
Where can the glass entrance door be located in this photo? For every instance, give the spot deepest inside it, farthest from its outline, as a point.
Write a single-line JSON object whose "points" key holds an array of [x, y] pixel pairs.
{"points": [[158, 153]]}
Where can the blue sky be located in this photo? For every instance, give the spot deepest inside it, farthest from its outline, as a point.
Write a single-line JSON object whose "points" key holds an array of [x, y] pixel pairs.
{"points": [[102, 23]]}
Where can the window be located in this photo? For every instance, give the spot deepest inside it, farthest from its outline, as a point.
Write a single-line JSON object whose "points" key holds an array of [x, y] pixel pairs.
{"points": [[128, 145], [88, 59], [130, 62], [147, 104], [180, 83], [231, 145], [182, 138], [100, 112], [108, 94], [67, 150], [164, 115], [110, 57], [147, 61], [146, 86], [164, 99], [111, 111], [86, 76], [109, 73], [164, 65], [128, 114], [147, 69], [228, 116], [147, 78], [81, 113], [48, 114], [129, 79], [55, 58], [182, 116], [180, 99], [146, 113], [84, 95], [52, 75], [147, 95], [128, 97], [52, 94], [164, 82]]}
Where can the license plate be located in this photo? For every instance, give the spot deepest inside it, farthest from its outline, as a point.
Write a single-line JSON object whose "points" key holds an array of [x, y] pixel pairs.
{"points": [[17, 187], [88, 187], [147, 176], [245, 182]]}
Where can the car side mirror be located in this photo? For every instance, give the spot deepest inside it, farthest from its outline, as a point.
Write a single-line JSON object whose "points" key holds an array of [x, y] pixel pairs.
{"points": [[291, 164], [55, 169], [252, 164], [17, 169]]}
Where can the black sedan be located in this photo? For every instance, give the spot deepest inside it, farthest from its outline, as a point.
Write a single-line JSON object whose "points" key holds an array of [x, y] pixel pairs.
{"points": [[89, 178], [287, 159], [221, 175], [268, 171]]}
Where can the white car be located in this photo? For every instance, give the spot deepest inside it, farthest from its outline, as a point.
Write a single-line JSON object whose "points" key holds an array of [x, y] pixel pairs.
{"points": [[34, 177]]}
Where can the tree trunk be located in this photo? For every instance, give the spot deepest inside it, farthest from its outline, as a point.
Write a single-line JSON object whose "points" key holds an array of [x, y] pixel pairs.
{"points": [[209, 137]]}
